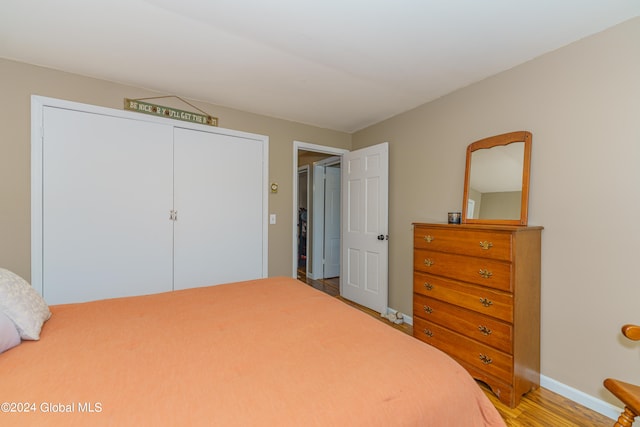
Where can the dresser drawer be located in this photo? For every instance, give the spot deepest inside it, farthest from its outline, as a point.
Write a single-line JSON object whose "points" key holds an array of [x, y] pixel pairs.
{"points": [[485, 244], [483, 300], [483, 329], [480, 356], [483, 271]]}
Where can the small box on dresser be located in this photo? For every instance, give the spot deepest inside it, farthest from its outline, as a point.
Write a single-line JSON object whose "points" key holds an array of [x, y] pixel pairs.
{"points": [[477, 298]]}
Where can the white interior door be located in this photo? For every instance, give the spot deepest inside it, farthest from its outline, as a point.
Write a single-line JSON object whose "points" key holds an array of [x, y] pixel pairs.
{"points": [[316, 223], [106, 195], [365, 248], [219, 189], [332, 222]]}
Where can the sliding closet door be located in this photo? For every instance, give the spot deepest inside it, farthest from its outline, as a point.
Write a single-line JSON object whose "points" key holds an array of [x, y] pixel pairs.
{"points": [[219, 188], [107, 194]]}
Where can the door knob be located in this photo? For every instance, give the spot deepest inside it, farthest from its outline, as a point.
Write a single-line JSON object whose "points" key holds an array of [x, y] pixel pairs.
{"points": [[381, 237]]}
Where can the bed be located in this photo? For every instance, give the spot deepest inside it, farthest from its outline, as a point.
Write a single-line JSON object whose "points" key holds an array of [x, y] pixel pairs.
{"points": [[269, 352]]}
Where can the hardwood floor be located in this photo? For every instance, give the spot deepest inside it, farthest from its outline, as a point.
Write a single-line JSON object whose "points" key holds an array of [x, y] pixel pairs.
{"points": [[328, 286], [539, 408]]}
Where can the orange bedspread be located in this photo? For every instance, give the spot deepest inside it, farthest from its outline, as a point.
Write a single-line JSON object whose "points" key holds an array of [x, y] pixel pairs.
{"points": [[270, 352]]}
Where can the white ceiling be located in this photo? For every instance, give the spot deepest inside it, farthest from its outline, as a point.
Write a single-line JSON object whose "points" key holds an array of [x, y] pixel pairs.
{"points": [[338, 64]]}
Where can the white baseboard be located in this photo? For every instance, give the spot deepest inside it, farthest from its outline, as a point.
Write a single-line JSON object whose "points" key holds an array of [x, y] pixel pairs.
{"points": [[595, 404]]}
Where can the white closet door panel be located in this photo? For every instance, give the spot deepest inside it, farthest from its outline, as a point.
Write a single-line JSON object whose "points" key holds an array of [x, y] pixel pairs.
{"points": [[218, 187], [107, 194]]}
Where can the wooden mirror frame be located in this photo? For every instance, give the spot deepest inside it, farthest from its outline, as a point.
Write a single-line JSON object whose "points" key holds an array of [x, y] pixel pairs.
{"points": [[494, 141]]}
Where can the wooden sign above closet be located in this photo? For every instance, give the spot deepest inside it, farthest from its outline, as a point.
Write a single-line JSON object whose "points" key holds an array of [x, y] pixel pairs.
{"points": [[140, 106]]}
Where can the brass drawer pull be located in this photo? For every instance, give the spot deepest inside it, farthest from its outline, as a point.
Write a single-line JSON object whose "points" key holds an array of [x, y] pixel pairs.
{"points": [[484, 330], [428, 262], [428, 286], [486, 359], [428, 332], [428, 309], [486, 274], [486, 302], [428, 238], [486, 245]]}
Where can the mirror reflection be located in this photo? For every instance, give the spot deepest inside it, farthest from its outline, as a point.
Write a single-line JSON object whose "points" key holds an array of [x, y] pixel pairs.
{"points": [[496, 188], [495, 182]]}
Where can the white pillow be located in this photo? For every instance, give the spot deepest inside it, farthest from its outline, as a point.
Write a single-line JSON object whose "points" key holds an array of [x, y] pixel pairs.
{"points": [[22, 304], [9, 336]]}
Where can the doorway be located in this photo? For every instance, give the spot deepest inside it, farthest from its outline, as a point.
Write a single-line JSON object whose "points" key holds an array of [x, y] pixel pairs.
{"points": [[312, 163], [302, 220], [318, 216]]}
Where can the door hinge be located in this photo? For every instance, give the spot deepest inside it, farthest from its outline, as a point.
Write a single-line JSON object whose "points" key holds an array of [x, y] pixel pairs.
{"points": [[173, 215]]}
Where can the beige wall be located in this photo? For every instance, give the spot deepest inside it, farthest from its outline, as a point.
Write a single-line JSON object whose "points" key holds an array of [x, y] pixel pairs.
{"points": [[500, 204], [19, 81], [582, 103]]}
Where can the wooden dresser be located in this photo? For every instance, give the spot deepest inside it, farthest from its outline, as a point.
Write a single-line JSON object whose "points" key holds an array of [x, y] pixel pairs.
{"points": [[477, 298]]}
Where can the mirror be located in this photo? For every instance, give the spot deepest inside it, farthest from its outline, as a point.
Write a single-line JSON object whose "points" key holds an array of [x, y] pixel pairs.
{"points": [[496, 183]]}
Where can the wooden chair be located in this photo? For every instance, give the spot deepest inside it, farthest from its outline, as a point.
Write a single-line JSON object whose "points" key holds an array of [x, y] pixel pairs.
{"points": [[628, 394]]}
